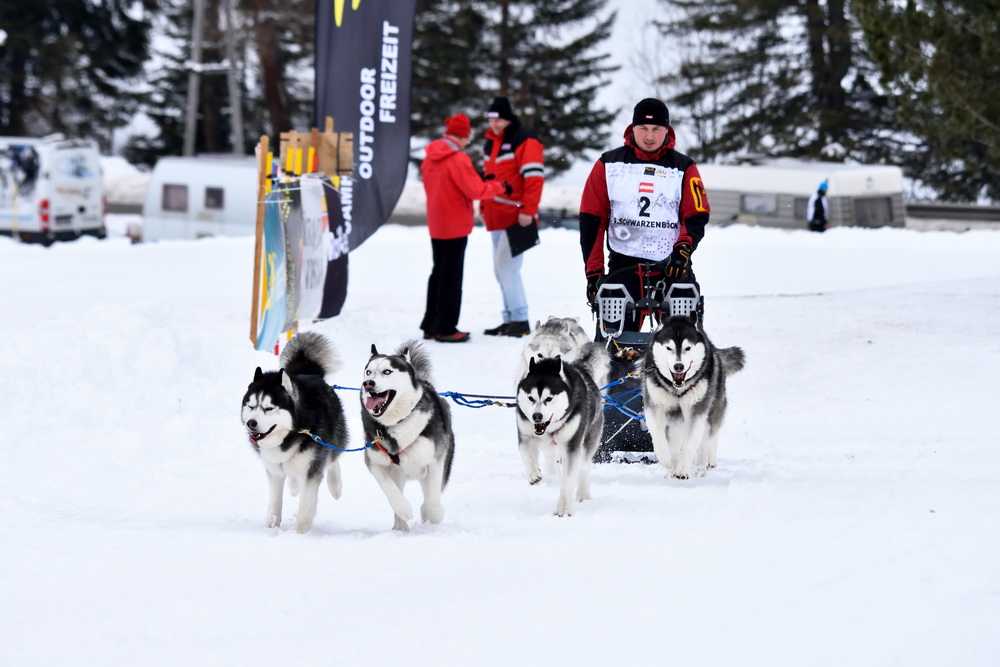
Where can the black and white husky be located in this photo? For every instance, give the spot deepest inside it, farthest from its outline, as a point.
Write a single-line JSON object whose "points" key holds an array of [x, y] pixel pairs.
{"points": [[559, 408], [409, 426], [684, 393], [280, 409], [564, 337]]}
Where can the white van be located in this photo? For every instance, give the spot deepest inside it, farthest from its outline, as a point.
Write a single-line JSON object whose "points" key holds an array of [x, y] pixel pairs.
{"points": [[51, 189], [195, 197]]}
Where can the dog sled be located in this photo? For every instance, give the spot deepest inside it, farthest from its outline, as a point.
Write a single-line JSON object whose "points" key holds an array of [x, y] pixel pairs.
{"points": [[620, 323]]}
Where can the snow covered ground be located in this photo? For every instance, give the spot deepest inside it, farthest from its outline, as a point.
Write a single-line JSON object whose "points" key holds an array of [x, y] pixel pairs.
{"points": [[851, 520]]}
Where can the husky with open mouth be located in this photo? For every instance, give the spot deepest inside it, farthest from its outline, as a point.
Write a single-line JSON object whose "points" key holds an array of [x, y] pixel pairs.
{"points": [[280, 409], [559, 408], [684, 393], [408, 429]]}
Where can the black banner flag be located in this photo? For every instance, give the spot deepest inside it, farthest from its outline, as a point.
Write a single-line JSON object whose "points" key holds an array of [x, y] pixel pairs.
{"points": [[363, 67]]}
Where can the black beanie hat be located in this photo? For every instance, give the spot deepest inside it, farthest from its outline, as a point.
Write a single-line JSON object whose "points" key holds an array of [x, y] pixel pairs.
{"points": [[651, 111], [500, 108]]}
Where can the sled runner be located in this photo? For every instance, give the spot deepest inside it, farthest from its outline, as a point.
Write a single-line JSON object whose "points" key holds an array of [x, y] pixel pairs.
{"points": [[620, 323]]}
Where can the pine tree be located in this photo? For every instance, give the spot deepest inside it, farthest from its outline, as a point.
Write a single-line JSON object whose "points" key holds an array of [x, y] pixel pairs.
{"points": [[448, 62], [941, 60], [544, 59], [275, 51], [165, 100], [775, 78], [542, 54], [70, 66]]}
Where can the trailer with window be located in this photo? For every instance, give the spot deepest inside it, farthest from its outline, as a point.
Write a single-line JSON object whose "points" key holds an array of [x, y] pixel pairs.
{"points": [[197, 197], [775, 192]]}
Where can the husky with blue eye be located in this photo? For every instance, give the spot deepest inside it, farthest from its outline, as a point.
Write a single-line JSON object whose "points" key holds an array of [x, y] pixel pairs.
{"points": [[279, 407], [408, 428], [559, 408]]}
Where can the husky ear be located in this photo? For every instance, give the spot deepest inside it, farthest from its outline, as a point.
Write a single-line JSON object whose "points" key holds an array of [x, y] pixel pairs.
{"points": [[531, 364], [258, 374], [286, 381], [374, 351], [695, 320]]}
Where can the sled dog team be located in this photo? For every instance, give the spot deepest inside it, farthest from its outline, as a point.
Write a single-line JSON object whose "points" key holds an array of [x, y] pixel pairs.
{"points": [[408, 426]]}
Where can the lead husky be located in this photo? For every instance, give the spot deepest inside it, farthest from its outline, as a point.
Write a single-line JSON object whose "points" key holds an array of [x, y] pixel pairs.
{"points": [[564, 337], [411, 428], [278, 406], [684, 393], [559, 408]]}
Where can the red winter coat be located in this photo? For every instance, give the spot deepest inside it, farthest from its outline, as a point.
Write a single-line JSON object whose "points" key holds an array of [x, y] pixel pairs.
{"points": [[451, 184], [515, 157]]}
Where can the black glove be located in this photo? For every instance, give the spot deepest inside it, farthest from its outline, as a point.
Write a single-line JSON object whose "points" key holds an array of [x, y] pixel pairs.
{"points": [[487, 177], [506, 188], [592, 285], [676, 266]]}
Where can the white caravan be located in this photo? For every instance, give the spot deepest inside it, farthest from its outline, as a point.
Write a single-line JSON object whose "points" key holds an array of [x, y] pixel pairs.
{"points": [[50, 189], [775, 192], [195, 197]]}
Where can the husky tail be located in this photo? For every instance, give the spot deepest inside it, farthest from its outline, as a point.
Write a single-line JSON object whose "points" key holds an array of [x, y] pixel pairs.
{"points": [[732, 359], [310, 353]]}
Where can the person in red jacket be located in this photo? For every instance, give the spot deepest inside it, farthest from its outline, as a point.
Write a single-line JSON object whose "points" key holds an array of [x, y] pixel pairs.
{"points": [[648, 201], [451, 184], [511, 153]]}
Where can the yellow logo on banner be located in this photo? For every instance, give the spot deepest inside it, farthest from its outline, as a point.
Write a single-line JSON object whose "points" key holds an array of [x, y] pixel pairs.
{"points": [[338, 9]]}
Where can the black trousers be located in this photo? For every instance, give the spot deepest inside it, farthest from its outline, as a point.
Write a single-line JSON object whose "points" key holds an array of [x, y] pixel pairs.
{"points": [[444, 287]]}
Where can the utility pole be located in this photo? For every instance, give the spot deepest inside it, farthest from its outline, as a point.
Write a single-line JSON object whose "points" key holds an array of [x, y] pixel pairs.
{"points": [[196, 68], [194, 77], [235, 101]]}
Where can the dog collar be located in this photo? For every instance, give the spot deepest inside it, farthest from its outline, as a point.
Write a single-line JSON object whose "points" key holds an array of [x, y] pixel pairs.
{"points": [[392, 457], [376, 443]]}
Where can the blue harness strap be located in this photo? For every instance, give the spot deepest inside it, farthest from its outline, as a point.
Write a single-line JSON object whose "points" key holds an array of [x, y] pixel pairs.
{"points": [[483, 400], [317, 440]]}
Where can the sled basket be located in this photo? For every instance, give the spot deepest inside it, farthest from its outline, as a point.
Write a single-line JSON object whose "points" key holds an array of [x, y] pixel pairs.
{"points": [[682, 298]]}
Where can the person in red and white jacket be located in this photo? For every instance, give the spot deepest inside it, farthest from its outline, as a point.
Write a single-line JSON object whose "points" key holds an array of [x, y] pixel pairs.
{"points": [[514, 154], [646, 202], [451, 184]]}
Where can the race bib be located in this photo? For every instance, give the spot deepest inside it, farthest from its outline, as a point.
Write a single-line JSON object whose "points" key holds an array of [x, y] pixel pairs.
{"points": [[645, 204]]}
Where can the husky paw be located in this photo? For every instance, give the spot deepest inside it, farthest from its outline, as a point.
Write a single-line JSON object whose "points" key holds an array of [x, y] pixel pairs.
{"points": [[336, 486], [564, 508], [535, 479], [680, 474], [432, 513], [303, 526], [272, 521], [582, 495], [404, 511], [400, 525]]}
